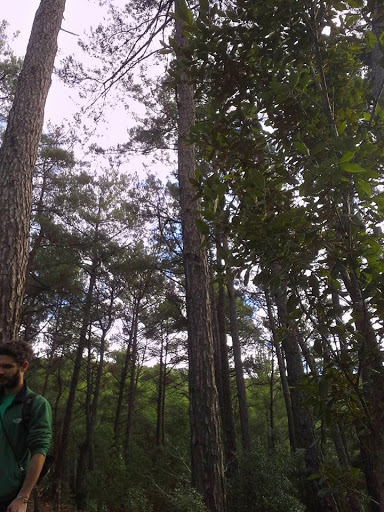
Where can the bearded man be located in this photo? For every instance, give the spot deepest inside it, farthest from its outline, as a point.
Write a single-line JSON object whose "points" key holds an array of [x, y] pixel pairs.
{"points": [[24, 441]]}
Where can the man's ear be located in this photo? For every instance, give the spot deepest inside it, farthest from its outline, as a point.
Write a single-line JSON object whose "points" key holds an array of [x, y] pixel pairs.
{"points": [[24, 366]]}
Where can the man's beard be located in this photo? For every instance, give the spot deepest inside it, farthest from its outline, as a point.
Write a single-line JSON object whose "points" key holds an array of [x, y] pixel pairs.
{"points": [[11, 382]]}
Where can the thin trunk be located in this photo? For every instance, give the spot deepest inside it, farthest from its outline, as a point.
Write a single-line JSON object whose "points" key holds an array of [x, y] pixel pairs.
{"points": [[305, 429], [222, 373], [99, 373], [124, 375], [18, 154], [271, 400], [240, 382], [80, 490], [52, 354], [162, 416], [160, 392], [131, 395], [283, 374], [206, 445], [62, 448]]}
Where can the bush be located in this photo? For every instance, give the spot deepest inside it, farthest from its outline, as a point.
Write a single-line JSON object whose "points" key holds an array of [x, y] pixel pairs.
{"points": [[186, 500], [264, 484]]}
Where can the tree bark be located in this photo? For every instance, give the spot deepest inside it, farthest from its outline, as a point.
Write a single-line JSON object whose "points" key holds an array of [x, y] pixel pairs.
{"points": [[283, 374], [18, 155], [124, 374], [371, 435], [240, 383], [131, 394], [62, 447], [305, 430], [223, 378], [206, 446]]}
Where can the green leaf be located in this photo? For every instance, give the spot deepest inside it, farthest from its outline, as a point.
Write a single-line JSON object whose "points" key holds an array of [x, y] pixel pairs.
{"points": [[302, 148], [347, 157], [370, 39], [183, 13], [341, 127], [352, 168], [364, 186], [379, 200]]}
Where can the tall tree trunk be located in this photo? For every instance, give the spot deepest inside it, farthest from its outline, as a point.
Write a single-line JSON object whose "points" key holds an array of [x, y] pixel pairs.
{"points": [[105, 328], [124, 374], [240, 382], [18, 155], [131, 395], [206, 446], [160, 394], [222, 373], [62, 447], [305, 430], [371, 435], [271, 400], [283, 374]]}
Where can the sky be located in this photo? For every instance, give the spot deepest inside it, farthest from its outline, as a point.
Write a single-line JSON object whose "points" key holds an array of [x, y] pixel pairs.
{"points": [[63, 102]]}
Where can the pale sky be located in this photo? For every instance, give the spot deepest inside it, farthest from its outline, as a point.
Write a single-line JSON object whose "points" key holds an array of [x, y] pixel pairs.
{"points": [[63, 101]]}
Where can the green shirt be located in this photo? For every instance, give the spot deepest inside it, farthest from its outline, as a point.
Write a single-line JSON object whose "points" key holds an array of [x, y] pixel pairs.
{"points": [[5, 402], [25, 440]]}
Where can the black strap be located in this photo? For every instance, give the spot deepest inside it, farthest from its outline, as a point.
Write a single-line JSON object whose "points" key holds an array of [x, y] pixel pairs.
{"points": [[26, 411]]}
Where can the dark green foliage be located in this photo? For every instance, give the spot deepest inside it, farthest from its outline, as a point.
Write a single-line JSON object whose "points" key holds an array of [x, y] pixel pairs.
{"points": [[265, 483]]}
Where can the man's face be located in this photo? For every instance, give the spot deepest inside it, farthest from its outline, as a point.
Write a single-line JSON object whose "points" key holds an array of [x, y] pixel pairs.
{"points": [[11, 374]]}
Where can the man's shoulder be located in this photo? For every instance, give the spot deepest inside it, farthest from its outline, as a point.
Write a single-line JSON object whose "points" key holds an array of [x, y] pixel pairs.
{"points": [[32, 396], [34, 400]]}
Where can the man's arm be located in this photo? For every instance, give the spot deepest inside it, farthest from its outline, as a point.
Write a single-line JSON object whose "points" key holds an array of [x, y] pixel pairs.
{"points": [[31, 477]]}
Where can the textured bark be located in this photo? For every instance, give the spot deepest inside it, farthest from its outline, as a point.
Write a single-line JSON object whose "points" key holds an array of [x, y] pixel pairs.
{"points": [[206, 447], [62, 446], [305, 431], [131, 394], [371, 435], [124, 374], [160, 409], [223, 380], [283, 374], [160, 399], [240, 382], [18, 155]]}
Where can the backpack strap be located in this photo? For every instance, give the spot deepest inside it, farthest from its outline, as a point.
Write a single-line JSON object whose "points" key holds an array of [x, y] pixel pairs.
{"points": [[26, 411]]}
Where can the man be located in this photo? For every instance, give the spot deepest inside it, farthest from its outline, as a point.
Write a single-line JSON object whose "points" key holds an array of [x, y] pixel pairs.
{"points": [[23, 448]]}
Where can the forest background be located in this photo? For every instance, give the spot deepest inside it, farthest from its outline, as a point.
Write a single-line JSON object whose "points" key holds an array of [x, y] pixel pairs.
{"points": [[213, 342]]}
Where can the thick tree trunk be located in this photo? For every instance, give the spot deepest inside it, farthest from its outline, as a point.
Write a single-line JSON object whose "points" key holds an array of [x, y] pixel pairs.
{"points": [[18, 155], [206, 446]]}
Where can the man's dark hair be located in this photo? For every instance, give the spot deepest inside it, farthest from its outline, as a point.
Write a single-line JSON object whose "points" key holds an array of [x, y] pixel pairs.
{"points": [[20, 351]]}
